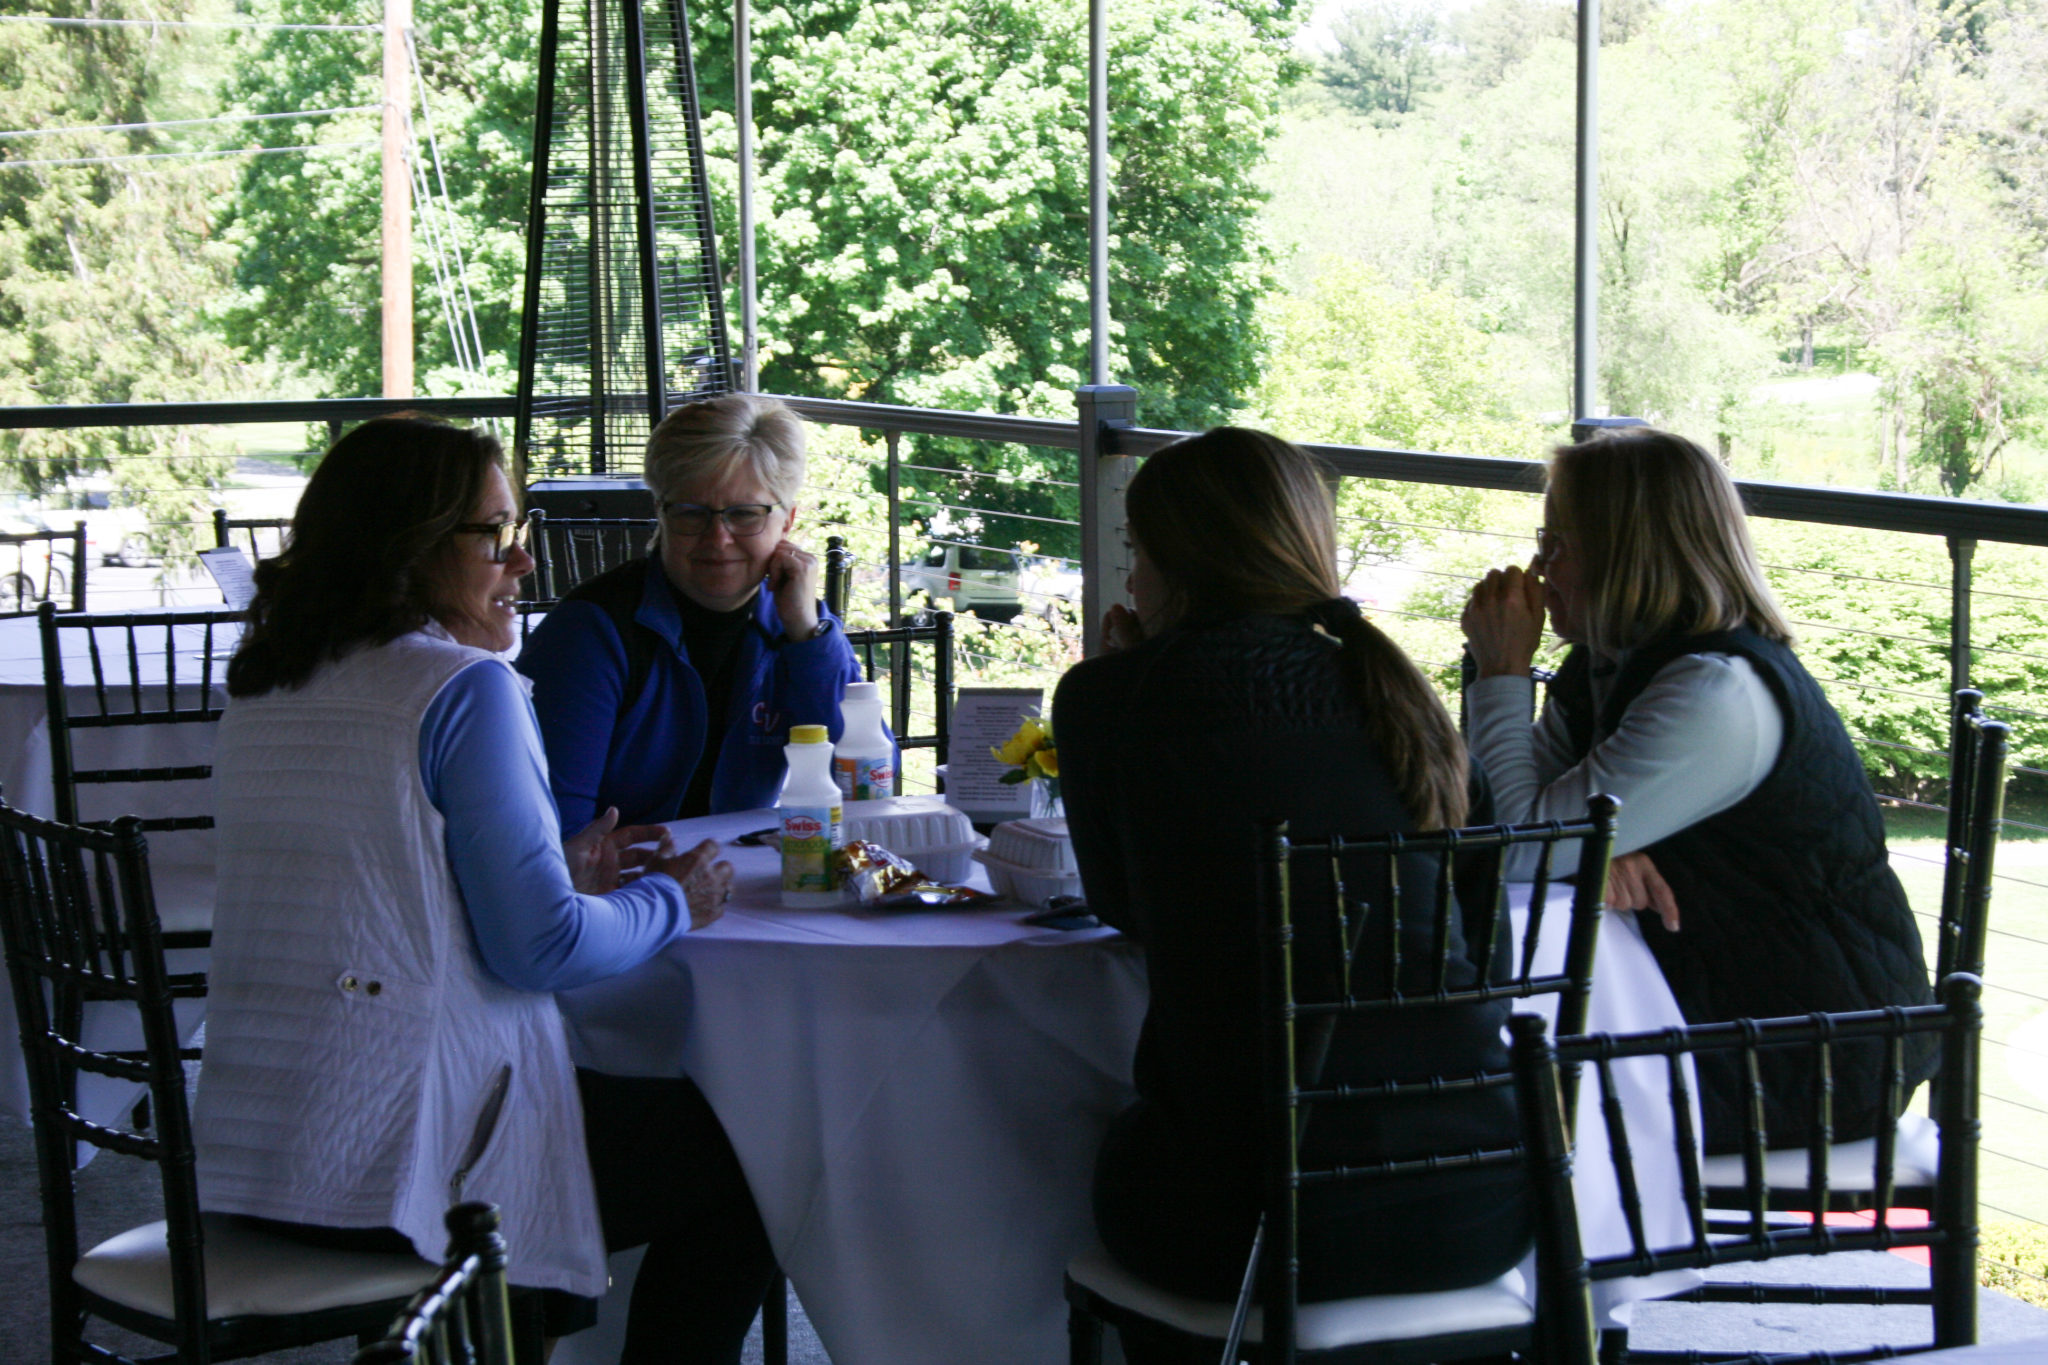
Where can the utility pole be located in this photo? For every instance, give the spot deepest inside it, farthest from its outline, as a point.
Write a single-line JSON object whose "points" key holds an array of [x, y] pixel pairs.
{"points": [[397, 233]]}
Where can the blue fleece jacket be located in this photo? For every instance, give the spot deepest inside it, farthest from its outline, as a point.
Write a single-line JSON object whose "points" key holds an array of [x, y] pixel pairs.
{"points": [[638, 753]]}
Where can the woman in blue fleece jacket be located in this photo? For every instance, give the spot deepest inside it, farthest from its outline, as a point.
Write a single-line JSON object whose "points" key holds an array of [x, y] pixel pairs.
{"points": [[667, 686]]}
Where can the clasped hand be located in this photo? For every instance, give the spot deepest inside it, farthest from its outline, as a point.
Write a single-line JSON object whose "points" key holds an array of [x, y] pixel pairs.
{"points": [[1634, 883], [601, 855], [1503, 621]]}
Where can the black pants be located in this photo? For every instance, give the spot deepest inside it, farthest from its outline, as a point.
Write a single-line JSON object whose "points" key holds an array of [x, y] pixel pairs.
{"points": [[667, 1179]]}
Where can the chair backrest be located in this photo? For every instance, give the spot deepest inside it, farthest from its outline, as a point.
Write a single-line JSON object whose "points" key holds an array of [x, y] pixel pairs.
{"points": [[838, 575], [894, 652], [79, 922], [103, 671], [1349, 932], [30, 574], [257, 532], [570, 550], [1976, 808], [1564, 1273], [463, 1317]]}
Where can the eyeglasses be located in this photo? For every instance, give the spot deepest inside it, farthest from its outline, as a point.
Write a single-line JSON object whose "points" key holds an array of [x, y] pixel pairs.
{"points": [[742, 518], [504, 535], [1549, 543]]}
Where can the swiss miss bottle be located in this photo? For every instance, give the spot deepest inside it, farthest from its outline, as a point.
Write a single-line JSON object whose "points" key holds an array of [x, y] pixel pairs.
{"points": [[864, 763], [810, 811]]}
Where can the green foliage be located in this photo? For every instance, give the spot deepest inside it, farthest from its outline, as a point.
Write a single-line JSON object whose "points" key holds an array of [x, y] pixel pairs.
{"points": [[106, 268], [1385, 58], [305, 226], [1357, 362]]}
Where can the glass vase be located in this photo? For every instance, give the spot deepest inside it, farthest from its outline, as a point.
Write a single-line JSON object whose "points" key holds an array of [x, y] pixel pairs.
{"points": [[1045, 799]]}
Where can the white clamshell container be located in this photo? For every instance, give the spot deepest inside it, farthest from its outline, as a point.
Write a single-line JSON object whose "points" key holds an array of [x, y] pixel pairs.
{"points": [[1031, 861], [937, 838]]}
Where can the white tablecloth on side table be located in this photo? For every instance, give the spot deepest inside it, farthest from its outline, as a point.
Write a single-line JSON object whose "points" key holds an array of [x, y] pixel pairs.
{"points": [[917, 1100], [181, 861]]}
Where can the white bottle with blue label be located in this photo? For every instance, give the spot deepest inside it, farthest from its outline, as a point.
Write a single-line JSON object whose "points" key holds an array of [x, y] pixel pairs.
{"points": [[811, 812], [864, 761]]}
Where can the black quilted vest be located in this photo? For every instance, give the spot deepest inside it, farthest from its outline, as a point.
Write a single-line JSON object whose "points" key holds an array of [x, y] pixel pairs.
{"points": [[1787, 902]]}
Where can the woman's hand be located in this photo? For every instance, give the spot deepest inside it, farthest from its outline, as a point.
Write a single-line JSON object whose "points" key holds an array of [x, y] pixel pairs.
{"points": [[600, 855], [1634, 883], [1503, 621], [793, 582], [1121, 628], [705, 880]]}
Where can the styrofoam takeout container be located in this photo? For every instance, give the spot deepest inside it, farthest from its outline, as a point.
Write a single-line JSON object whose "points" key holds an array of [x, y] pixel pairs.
{"points": [[938, 839], [1031, 861]]}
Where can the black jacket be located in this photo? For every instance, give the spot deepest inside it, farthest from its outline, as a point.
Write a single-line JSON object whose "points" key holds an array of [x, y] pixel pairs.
{"points": [[1788, 902]]}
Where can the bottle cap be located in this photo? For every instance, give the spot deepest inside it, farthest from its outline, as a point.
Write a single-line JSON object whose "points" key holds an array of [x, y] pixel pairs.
{"points": [[809, 734], [863, 691]]}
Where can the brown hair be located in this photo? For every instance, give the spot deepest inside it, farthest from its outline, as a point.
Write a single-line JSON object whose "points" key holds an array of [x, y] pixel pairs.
{"points": [[1240, 521], [1661, 539], [367, 548]]}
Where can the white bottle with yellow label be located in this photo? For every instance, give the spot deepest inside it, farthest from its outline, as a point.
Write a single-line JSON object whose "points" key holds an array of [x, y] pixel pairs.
{"points": [[811, 820]]}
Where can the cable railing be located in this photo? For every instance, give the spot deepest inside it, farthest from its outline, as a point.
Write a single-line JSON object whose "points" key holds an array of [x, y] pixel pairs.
{"points": [[873, 484]]}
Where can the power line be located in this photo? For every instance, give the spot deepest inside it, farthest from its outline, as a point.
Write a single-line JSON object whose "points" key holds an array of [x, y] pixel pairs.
{"points": [[56, 22], [190, 122], [167, 156]]}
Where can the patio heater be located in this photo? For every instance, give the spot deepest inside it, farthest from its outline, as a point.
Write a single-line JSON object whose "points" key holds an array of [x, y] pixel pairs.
{"points": [[624, 314]]}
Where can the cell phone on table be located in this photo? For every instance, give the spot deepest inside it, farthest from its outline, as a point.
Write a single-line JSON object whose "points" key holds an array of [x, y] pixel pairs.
{"points": [[1063, 913]]}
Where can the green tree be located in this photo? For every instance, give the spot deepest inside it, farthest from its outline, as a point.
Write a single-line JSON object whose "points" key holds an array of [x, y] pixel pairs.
{"points": [[305, 225], [107, 263], [1359, 362], [1385, 58]]}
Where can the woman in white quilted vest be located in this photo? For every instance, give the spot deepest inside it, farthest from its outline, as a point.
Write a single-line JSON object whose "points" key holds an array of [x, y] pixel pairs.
{"points": [[396, 908]]}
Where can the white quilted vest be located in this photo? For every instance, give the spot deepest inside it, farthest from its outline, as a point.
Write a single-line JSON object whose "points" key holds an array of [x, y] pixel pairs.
{"points": [[354, 1039]]}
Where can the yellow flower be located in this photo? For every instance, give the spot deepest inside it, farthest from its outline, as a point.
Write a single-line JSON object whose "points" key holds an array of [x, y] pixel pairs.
{"points": [[1046, 763], [1028, 740]]}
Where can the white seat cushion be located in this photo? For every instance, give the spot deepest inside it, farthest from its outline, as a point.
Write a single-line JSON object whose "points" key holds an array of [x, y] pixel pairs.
{"points": [[1318, 1326], [1851, 1165], [248, 1272]]}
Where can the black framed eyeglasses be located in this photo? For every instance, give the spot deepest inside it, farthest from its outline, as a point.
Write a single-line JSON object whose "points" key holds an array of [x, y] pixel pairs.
{"points": [[742, 518], [504, 535], [1549, 544]]}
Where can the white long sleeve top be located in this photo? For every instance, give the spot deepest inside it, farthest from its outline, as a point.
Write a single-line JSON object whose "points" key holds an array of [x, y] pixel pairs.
{"points": [[1700, 737]]}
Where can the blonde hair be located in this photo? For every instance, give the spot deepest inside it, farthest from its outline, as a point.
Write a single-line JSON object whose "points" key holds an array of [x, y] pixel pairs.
{"points": [[710, 439], [1661, 538], [1241, 521]]}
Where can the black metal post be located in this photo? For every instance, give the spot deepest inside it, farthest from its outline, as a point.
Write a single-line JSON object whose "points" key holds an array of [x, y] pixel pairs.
{"points": [[1960, 554], [643, 213], [707, 241], [536, 228], [895, 444]]}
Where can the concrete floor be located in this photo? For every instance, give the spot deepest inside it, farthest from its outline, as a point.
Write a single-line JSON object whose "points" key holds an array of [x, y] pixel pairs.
{"points": [[116, 1193]]}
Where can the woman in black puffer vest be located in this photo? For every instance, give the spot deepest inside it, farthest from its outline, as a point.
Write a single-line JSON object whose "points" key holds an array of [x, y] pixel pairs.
{"points": [[1747, 822], [1244, 686]]}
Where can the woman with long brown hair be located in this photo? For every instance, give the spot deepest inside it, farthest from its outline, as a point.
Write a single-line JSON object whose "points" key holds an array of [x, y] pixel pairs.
{"points": [[1246, 686], [397, 907]]}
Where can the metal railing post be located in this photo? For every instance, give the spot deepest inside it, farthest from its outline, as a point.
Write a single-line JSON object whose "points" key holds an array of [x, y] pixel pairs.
{"points": [[895, 441], [1586, 215], [1104, 410], [1961, 551]]}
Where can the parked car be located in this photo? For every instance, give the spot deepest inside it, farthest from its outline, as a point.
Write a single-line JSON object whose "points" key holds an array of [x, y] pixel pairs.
{"points": [[1051, 586], [978, 578]]}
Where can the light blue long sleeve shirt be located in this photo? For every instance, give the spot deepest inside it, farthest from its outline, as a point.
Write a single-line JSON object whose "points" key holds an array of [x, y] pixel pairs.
{"points": [[481, 763]]}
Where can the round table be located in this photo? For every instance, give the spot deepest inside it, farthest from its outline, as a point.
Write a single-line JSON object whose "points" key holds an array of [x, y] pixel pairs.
{"points": [[917, 1100]]}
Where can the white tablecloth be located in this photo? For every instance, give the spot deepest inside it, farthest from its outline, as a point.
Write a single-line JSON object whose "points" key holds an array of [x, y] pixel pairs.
{"points": [[917, 1101], [181, 862], [916, 1098]]}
